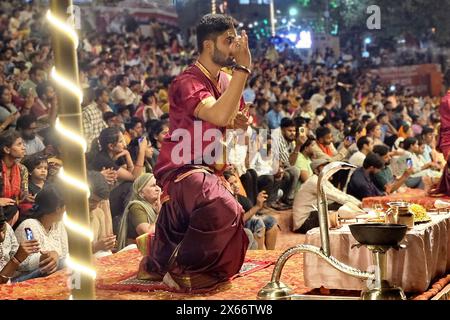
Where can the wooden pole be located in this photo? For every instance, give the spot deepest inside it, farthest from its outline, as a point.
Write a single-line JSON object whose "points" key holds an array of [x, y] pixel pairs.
{"points": [[73, 147]]}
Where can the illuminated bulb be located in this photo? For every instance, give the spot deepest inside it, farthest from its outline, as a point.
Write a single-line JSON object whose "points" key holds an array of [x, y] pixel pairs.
{"points": [[72, 264], [63, 27], [74, 182], [66, 83], [71, 135], [77, 227]]}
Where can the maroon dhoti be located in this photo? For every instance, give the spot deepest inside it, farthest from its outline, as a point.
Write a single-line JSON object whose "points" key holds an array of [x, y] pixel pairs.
{"points": [[201, 228]]}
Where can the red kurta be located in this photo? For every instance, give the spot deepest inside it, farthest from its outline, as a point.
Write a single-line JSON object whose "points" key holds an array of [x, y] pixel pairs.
{"points": [[201, 221]]}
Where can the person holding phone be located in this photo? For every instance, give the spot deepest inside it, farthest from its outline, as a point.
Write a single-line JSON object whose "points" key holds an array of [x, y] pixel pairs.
{"points": [[424, 175], [48, 230], [324, 148], [12, 253]]}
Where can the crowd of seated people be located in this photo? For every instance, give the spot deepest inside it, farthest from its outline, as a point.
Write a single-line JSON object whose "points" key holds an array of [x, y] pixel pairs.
{"points": [[301, 120]]}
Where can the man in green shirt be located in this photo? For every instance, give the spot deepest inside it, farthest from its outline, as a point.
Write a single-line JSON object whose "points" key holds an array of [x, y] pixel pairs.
{"points": [[385, 180], [303, 163]]}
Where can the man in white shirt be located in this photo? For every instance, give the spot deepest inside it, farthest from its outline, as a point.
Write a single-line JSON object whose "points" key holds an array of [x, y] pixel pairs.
{"points": [[365, 146], [26, 125], [305, 215], [122, 94]]}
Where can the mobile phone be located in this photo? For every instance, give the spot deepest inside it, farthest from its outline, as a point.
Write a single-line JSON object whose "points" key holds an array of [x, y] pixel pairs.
{"points": [[141, 139], [409, 163], [350, 139], [29, 234], [302, 130]]}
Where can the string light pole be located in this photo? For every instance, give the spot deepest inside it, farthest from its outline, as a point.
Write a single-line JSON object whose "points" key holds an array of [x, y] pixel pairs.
{"points": [[213, 7], [69, 126]]}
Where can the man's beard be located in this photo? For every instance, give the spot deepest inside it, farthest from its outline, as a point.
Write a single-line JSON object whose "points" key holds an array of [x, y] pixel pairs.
{"points": [[288, 139], [29, 136], [221, 60]]}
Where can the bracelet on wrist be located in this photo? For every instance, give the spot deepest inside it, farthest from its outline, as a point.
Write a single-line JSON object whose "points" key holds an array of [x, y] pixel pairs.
{"points": [[239, 67], [15, 260], [5, 278]]}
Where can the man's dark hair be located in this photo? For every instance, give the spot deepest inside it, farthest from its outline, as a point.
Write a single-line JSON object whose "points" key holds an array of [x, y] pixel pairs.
{"points": [[427, 130], [133, 123], [120, 78], [147, 96], [361, 142], [373, 160], [371, 126], [381, 116], [307, 143], [287, 122], [41, 88], [34, 69], [322, 132], [210, 27], [98, 185], [365, 118], [2, 218], [381, 150], [325, 121], [99, 91], [109, 115], [299, 121], [25, 121], [409, 142]]}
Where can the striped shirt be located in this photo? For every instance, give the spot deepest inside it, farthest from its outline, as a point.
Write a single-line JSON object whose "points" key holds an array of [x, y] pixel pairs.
{"points": [[93, 123]]}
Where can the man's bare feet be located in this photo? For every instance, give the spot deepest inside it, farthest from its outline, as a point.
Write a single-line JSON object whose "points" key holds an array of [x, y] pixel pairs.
{"points": [[168, 280]]}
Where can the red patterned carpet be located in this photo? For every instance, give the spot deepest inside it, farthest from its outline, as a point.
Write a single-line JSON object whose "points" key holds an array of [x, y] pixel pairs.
{"points": [[113, 269]]}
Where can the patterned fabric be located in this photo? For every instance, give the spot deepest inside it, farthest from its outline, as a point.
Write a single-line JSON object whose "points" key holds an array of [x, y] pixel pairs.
{"points": [[54, 240], [283, 147], [134, 284], [123, 265], [8, 247], [11, 187], [411, 195], [23, 182], [93, 123]]}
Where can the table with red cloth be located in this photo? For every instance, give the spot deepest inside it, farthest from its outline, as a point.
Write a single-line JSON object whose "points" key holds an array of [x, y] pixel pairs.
{"points": [[410, 195], [426, 258]]}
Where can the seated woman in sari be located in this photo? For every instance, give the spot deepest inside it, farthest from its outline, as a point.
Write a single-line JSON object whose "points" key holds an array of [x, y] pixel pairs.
{"points": [[141, 212]]}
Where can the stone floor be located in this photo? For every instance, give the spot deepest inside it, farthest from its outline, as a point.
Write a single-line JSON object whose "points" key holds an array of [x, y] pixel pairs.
{"points": [[286, 238]]}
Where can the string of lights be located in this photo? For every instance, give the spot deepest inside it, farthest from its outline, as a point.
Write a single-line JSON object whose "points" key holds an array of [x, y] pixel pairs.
{"points": [[68, 125]]}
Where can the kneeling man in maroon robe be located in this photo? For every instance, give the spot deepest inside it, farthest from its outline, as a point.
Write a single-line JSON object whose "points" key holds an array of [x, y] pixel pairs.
{"points": [[199, 238]]}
